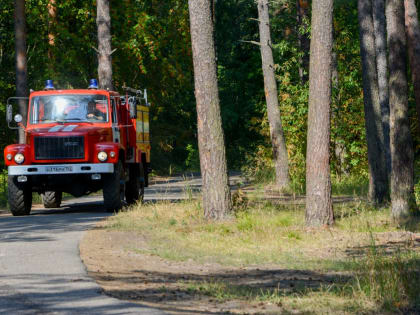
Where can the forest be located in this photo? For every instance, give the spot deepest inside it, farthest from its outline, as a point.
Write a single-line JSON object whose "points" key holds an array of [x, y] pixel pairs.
{"points": [[151, 45], [315, 103]]}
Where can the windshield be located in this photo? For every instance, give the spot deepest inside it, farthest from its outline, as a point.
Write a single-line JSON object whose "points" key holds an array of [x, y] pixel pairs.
{"points": [[69, 108]]}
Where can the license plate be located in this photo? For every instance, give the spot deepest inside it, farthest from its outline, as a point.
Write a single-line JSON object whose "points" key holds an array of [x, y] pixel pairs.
{"points": [[59, 169]]}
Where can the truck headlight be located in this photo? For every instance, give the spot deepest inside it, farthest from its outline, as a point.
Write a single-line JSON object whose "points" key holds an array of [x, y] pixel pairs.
{"points": [[19, 158], [9, 157], [102, 156]]}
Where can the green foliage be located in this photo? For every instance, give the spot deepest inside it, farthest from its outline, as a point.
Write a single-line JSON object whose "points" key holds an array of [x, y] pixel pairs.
{"points": [[153, 51], [193, 160], [348, 147]]}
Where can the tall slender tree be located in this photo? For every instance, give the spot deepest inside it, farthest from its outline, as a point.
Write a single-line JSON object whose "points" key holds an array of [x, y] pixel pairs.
{"points": [[52, 21], [319, 209], [216, 192], [103, 21], [378, 176], [413, 40], [271, 96], [21, 61], [402, 155], [379, 25]]}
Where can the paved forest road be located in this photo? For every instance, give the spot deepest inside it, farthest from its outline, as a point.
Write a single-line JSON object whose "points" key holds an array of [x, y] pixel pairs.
{"points": [[40, 268]]}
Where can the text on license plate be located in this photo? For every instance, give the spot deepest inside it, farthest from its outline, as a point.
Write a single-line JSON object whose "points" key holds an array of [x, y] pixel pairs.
{"points": [[59, 169]]}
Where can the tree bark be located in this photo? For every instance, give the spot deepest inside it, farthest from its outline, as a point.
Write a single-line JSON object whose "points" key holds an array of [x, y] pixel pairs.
{"points": [[216, 192], [379, 24], [103, 21], [271, 96], [402, 155], [21, 62], [52, 20], [319, 209], [302, 8], [378, 175], [413, 40]]}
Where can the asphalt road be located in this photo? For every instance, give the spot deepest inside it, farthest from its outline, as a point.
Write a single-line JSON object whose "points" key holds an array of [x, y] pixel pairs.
{"points": [[40, 268]]}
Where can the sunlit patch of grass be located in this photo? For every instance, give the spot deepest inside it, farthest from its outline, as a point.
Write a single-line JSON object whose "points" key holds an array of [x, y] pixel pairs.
{"points": [[258, 235], [362, 217], [263, 233]]}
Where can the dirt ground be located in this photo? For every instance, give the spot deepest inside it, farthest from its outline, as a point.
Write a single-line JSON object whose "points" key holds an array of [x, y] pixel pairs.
{"points": [[150, 280]]}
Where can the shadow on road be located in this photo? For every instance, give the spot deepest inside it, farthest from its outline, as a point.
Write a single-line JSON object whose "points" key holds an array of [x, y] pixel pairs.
{"points": [[42, 224], [53, 294]]}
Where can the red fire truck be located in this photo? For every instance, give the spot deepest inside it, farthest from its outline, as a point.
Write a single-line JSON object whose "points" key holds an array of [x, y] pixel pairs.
{"points": [[79, 142]]}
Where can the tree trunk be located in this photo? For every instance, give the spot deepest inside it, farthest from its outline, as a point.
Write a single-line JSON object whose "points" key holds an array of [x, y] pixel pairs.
{"points": [[216, 192], [52, 21], [379, 24], [402, 156], [302, 8], [319, 209], [413, 40], [21, 62], [271, 96], [378, 176], [103, 21]]}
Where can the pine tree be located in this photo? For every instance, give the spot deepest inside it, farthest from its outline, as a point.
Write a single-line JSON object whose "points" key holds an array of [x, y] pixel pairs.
{"points": [[271, 96], [216, 192], [402, 155], [103, 21], [319, 209], [21, 61]]}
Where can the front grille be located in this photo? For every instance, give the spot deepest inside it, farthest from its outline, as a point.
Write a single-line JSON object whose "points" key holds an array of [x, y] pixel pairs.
{"points": [[58, 148]]}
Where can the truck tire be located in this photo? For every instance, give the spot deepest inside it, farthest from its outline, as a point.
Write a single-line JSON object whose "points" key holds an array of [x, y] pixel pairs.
{"points": [[52, 199], [113, 189], [19, 197], [134, 190]]}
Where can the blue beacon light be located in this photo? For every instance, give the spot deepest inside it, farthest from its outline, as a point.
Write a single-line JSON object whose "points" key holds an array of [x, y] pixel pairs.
{"points": [[93, 84], [49, 85]]}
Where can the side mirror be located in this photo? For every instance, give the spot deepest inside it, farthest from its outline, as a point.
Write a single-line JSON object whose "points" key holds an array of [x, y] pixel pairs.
{"points": [[9, 113], [132, 106], [18, 118]]}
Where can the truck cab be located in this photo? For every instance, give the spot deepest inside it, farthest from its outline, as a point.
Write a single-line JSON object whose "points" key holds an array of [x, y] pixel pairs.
{"points": [[79, 142]]}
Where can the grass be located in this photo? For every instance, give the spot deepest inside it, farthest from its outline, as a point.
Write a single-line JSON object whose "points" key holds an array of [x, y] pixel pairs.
{"points": [[390, 280], [379, 277], [264, 233]]}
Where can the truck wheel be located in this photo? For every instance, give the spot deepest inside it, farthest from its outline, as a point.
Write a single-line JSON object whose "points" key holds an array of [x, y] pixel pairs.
{"points": [[134, 190], [19, 197], [52, 199], [113, 189]]}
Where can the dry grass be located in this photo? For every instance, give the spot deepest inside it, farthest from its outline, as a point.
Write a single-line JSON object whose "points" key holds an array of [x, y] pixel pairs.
{"points": [[265, 233], [379, 260]]}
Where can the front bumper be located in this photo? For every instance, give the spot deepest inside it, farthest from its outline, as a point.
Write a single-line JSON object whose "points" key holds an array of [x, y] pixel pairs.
{"points": [[51, 169]]}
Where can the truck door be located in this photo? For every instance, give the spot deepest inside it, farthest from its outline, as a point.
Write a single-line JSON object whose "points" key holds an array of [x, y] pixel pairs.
{"points": [[116, 134]]}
